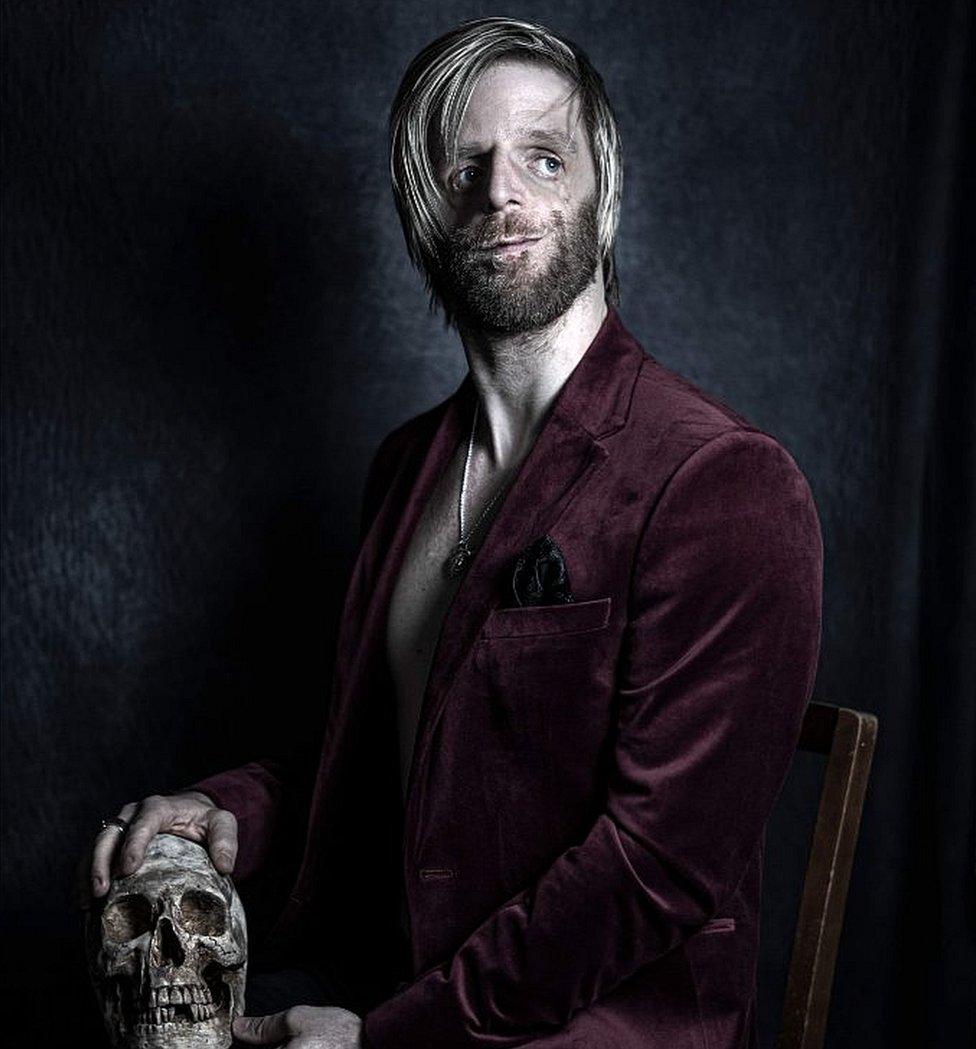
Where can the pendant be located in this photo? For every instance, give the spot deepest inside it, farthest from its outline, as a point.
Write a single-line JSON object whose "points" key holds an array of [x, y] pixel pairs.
{"points": [[458, 560]]}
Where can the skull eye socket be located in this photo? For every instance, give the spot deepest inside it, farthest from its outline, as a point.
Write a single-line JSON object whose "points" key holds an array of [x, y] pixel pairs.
{"points": [[202, 913], [127, 918]]}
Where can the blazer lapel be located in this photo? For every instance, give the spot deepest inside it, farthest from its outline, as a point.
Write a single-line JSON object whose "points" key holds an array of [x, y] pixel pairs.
{"points": [[555, 468]]}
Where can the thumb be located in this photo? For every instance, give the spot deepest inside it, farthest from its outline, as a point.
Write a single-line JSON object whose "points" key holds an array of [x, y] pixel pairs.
{"points": [[262, 1030]]}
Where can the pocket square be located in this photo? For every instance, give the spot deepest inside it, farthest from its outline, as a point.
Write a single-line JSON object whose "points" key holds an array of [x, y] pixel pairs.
{"points": [[540, 576]]}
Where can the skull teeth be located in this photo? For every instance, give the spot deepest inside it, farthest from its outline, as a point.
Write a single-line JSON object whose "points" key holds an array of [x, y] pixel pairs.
{"points": [[178, 995]]}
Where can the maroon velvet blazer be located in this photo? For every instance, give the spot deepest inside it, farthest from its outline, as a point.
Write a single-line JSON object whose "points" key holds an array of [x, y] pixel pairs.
{"points": [[583, 837]]}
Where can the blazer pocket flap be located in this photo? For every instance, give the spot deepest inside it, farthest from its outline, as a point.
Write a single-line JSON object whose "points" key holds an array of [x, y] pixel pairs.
{"points": [[574, 617]]}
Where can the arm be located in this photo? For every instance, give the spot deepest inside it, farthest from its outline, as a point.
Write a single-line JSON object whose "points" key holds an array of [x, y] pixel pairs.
{"points": [[716, 669]]}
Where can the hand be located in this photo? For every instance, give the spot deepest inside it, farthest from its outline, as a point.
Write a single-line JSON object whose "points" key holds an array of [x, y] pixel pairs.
{"points": [[189, 815], [302, 1027]]}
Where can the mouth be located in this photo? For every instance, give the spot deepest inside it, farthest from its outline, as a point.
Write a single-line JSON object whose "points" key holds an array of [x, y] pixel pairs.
{"points": [[504, 248]]}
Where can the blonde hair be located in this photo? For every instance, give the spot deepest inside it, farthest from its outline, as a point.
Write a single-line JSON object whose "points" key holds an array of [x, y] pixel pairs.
{"points": [[429, 108]]}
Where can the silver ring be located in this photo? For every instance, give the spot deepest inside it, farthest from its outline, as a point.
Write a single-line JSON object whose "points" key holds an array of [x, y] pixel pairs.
{"points": [[115, 823]]}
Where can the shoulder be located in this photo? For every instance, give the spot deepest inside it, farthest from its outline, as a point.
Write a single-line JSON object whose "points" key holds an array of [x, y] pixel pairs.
{"points": [[676, 430], [729, 517], [727, 493], [676, 416]]}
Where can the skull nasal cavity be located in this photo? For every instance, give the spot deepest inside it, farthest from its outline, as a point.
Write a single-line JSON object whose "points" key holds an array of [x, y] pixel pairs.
{"points": [[166, 947]]}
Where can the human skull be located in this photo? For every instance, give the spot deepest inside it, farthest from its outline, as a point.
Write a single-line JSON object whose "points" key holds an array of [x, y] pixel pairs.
{"points": [[168, 952]]}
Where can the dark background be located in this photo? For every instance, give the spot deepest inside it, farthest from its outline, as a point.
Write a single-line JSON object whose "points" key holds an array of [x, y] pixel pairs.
{"points": [[210, 323]]}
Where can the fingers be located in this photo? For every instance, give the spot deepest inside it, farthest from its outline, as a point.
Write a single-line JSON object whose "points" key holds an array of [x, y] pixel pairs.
{"points": [[190, 815], [262, 1030], [105, 847], [222, 839]]}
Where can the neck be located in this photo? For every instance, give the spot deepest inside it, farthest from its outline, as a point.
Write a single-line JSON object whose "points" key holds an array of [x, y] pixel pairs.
{"points": [[517, 377]]}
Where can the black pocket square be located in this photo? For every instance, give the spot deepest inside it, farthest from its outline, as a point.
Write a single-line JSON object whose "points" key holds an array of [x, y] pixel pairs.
{"points": [[540, 576]]}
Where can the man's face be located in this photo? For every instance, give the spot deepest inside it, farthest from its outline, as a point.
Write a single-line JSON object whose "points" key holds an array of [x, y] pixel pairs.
{"points": [[524, 173]]}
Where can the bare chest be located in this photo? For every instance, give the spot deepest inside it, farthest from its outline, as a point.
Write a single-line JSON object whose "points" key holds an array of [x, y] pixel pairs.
{"points": [[421, 596]]}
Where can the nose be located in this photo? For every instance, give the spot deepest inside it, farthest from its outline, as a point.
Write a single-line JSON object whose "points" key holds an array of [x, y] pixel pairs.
{"points": [[166, 948], [504, 186]]}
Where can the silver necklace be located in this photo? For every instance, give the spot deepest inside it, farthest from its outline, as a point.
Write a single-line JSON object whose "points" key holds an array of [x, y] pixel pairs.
{"points": [[461, 554]]}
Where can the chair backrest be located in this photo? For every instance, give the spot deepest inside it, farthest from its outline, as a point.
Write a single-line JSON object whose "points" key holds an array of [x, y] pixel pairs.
{"points": [[847, 738]]}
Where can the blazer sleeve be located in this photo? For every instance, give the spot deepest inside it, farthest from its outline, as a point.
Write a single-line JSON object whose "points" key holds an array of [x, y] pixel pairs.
{"points": [[256, 792], [716, 668]]}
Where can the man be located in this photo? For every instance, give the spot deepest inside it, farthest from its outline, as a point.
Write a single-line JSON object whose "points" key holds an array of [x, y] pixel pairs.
{"points": [[577, 644]]}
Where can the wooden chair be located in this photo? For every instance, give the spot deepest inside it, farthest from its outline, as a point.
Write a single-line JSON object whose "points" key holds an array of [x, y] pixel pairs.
{"points": [[847, 738]]}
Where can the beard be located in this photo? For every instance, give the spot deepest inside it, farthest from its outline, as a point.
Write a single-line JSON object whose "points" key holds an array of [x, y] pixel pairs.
{"points": [[507, 296]]}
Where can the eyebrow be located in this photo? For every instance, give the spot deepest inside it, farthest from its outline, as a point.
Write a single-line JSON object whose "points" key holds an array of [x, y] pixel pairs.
{"points": [[556, 139]]}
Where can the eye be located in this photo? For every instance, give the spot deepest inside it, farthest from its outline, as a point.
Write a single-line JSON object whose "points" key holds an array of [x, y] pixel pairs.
{"points": [[548, 165], [466, 177], [202, 913], [127, 918]]}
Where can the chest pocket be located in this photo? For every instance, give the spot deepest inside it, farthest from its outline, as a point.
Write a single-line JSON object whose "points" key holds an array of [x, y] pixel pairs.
{"points": [[548, 672]]}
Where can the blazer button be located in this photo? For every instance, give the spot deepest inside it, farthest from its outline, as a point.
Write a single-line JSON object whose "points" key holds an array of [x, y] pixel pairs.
{"points": [[437, 873]]}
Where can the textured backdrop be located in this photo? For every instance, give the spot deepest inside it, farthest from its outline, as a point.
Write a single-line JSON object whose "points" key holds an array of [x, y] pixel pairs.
{"points": [[210, 322]]}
